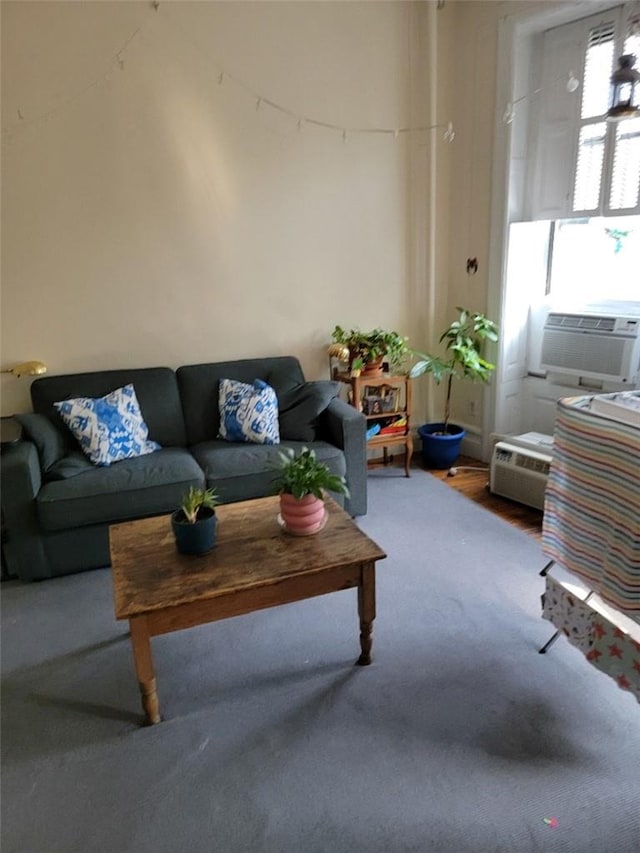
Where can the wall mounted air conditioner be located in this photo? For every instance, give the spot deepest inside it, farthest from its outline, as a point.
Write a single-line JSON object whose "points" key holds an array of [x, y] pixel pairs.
{"points": [[519, 473], [596, 346]]}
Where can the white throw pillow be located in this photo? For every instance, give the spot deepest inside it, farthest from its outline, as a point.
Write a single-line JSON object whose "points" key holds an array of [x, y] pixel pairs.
{"points": [[248, 413], [108, 428]]}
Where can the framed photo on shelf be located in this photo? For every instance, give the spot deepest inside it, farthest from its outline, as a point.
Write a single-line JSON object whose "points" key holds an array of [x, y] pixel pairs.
{"points": [[377, 399]]}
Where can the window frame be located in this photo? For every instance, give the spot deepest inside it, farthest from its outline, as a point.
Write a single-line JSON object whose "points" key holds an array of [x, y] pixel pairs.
{"points": [[554, 146]]}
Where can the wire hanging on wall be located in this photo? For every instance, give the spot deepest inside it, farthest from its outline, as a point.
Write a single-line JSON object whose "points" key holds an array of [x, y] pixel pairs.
{"points": [[346, 131], [225, 77], [117, 61], [572, 84]]}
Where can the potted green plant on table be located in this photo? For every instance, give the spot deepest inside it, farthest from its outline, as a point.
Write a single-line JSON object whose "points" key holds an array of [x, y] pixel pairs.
{"points": [[465, 338], [367, 350], [301, 483], [195, 523]]}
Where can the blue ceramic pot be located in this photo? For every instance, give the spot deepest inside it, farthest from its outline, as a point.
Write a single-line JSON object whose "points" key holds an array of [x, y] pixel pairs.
{"points": [[195, 538], [440, 451]]}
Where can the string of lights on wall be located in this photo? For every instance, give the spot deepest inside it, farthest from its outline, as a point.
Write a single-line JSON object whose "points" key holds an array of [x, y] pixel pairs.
{"points": [[625, 86], [345, 131], [115, 65], [571, 85], [625, 92], [224, 77]]}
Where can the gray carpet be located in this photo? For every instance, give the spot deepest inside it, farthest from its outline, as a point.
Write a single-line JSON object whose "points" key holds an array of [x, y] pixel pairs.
{"points": [[459, 737]]}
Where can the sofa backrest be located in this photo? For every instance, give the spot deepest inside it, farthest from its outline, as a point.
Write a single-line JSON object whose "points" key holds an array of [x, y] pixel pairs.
{"points": [[156, 389], [199, 388]]}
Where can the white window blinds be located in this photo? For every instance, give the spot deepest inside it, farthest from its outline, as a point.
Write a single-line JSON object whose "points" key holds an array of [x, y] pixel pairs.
{"points": [[599, 159], [624, 192], [625, 182], [586, 188], [597, 69]]}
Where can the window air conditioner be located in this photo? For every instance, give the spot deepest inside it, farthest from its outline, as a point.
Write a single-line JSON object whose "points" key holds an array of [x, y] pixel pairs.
{"points": [[597, 346], [519, 473]]}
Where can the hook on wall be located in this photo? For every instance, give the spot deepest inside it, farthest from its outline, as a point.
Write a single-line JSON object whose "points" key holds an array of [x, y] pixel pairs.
{"points": [[472, 266]]}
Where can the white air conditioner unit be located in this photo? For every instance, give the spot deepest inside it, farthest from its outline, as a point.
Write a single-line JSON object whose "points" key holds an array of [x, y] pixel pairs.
{"points": [[596, 346], [519, 473]]}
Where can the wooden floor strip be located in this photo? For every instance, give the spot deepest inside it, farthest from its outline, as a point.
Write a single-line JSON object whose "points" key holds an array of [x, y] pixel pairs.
{"points": [[472, 480]]}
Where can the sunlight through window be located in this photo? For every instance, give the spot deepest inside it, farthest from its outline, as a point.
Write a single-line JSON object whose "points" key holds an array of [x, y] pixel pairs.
{"points": [[594, 259]]}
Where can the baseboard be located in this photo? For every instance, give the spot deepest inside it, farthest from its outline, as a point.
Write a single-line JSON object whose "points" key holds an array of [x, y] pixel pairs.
{"points": [[472, 446]]}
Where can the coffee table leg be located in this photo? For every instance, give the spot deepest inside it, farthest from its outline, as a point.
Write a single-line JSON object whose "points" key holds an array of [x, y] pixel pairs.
{"points": [[366, 610], [141, 643]]}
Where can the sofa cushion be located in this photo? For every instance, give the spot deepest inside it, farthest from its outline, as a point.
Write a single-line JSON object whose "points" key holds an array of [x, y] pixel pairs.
{"points": [[156, 389], [49, 441], [110, 428], [248, 413], [245, 471], [147, 485], [300, 408], [199, 388]]}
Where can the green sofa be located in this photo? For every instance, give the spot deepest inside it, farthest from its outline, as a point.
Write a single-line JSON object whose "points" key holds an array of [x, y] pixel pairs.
{"points": [[57, 506]]}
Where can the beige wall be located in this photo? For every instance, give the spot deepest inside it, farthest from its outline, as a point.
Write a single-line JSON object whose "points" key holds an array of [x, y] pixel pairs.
{"points": [[152, 216], [489, 39]]}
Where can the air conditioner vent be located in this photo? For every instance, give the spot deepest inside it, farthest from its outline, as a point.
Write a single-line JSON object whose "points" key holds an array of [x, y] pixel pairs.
{"points": [[532, 464], [583, 354], [597, 346], [582, 321], [519, 474]]}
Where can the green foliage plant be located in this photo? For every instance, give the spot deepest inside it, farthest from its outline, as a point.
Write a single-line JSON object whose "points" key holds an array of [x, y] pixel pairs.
{"points": [[302, 474], [465, 338], [195, 499], [370, 346]]}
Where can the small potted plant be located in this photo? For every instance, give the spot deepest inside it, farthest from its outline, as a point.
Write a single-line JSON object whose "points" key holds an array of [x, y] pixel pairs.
{"points": [[367, 350], [195, 523], [465, 338], [301, 482]]}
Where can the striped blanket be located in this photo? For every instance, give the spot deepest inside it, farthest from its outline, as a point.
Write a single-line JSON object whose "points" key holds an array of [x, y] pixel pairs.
{"points": [[591, 522]]}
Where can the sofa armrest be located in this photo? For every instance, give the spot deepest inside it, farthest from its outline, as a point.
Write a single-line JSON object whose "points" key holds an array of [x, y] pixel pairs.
{"points": [[345, 427], [21, 480]]}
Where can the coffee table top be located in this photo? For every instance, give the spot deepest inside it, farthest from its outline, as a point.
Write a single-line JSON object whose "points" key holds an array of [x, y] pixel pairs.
{"points": [[251, 551]]}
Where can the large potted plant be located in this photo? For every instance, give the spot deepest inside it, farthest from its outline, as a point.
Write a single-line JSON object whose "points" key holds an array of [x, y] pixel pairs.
{"points": [[195, 523], [367, 350], [301, 482], [464, 341]]}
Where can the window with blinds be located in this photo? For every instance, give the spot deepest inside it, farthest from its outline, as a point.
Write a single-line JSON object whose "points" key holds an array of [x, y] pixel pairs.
{"points": [[580, 164], [607, 165], [593, 128], [625, 186], [625, 172]]}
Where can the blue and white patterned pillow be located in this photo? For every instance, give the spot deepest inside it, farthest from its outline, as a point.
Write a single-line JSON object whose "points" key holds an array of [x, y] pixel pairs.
{"points": [[248, 412], [108, 428]]}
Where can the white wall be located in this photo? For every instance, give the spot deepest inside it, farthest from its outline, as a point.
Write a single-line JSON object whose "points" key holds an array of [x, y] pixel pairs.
{"points": [[153, 216], [476, 26]]}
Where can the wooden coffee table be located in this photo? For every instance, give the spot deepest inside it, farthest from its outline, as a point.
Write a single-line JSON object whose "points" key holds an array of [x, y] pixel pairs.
{"points": [[254, 565]]}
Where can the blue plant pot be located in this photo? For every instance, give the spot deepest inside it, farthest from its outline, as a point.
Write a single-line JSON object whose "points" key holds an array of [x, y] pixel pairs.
{"points": [[195, 538], [440, 451]]}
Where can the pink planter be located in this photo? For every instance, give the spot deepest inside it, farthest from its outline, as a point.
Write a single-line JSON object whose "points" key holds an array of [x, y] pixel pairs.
{"points": [[304, 516]]}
